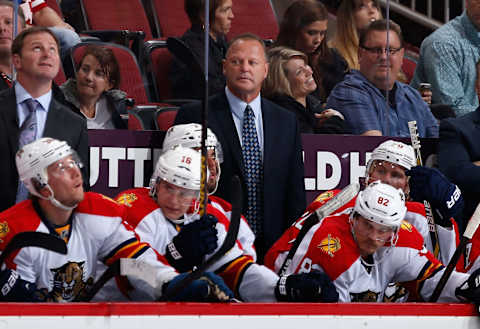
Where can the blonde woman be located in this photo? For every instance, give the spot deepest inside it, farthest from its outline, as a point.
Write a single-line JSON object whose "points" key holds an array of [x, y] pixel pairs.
{"points": [[289, 83]]}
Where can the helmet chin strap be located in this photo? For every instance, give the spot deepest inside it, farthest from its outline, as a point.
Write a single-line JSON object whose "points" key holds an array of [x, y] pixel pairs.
{"points": [[219, 171], [55, 202]]}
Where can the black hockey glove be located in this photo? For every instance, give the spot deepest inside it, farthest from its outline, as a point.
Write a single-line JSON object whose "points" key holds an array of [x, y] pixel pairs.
{"points": [[14, 289], [315, 286], [195, 240], [431, 185], [208, 288], [469, 291]]}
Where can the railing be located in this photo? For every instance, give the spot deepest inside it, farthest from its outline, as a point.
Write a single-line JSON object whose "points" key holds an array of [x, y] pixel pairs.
{"points": [[424, 16]]}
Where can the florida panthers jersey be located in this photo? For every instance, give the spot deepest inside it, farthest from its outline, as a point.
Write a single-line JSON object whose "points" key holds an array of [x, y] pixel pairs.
{"points": [[250, 281], [448, 238], [97, 233], [330, 246]]}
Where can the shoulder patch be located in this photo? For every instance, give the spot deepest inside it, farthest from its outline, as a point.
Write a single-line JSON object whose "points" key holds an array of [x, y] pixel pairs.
{"points": [[4, 229], [324, 196], [406, 226], [127, 199], [330, 245]]}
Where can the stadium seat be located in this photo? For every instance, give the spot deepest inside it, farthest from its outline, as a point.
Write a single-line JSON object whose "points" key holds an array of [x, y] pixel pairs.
{"points": [[135, 121], [165, 117], [60, 78], [132, 79], [254, 16], [408, 67], [169, 17], [157, 63]]}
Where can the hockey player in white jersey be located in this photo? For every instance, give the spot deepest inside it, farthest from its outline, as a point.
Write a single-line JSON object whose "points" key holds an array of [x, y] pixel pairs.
{"points": [[91, 225], [190, 135], [165, 216], [372, 246]]}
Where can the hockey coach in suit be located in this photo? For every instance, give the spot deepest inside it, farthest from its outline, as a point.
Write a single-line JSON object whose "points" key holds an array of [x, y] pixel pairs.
{"points": [[282, 192], [35, 56]]}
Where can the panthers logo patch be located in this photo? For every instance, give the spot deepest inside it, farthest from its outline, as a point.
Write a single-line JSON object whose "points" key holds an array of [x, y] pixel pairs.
{"points": [[127, 199], [68, 281], [406, 226], [4, 229], [324, 196], [365, 297], [330, 245]]}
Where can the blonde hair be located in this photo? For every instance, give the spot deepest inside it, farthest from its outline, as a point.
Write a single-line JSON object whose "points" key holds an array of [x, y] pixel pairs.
{"points": [[346, 39], [277, 81]]}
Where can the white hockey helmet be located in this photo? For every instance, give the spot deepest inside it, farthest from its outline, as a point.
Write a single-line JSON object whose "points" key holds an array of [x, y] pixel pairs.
{"points": [[179, 166], [190, 135], [394, 152], [382, 204], [33, 159]]}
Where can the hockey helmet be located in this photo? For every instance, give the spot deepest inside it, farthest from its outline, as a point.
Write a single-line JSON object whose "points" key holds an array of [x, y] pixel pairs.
{"points": [[190, 135], [394, 152], [179, 166], [382, 204]]}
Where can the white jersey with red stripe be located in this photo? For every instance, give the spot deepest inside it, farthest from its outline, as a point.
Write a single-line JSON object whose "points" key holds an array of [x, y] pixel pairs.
{"points": [[415, 215], [97, 233], [250, 281], [330, 246]]}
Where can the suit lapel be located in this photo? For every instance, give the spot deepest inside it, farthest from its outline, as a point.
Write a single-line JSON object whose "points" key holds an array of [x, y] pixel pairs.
{"points": [[54, 116], [223, 120], [9, 103], [268, 135]]}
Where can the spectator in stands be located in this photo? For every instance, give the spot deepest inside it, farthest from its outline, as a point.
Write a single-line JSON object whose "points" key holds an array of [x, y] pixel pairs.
{"points": [[459, 157], [186, 81], [373, 102], [353, 16], [39, 13], [94, 93], [260, 141], [6, 38], [303, 28], [29, 111], [448, 59], [289, 83]]}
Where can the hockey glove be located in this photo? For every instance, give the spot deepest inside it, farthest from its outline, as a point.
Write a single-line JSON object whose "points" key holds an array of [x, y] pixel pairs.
{"points": [[431, 185], [470, 290], [14, 289], [208, 288], [195, 240], [315, 286]]}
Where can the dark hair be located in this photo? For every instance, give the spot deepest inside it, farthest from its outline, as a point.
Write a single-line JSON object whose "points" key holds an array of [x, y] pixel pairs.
{"points": [[248, 36], [195, 9], [381, 25], [107, 61], [300, 14], [5, 3], [17, 43]]}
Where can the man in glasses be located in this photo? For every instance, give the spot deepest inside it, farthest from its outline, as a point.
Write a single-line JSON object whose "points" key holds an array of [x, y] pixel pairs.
{"points": [[372, 101], [92, 227], [364, 250]]}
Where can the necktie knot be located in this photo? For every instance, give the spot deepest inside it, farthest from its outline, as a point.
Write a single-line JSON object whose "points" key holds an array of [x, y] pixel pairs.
{"points": [[31, 104]]}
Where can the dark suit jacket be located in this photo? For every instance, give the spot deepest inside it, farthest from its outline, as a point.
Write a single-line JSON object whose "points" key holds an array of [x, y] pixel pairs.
{"points": [[460, 146], [284, 190], [61, 124]]}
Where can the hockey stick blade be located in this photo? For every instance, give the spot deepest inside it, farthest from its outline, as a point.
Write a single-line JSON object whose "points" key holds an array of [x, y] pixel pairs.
{"points": [[228, 243], [112, 271], [34, 239], [339, 200], [472, 226]]}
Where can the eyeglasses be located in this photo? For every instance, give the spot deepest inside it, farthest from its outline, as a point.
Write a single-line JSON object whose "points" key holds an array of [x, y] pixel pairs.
{"points": [[379, 51]]}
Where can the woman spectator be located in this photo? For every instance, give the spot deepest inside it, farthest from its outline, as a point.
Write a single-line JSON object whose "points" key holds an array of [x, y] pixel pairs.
{"points": [[289, 84], [94, 93], [303, 28], [352, 17], [186, 82]]}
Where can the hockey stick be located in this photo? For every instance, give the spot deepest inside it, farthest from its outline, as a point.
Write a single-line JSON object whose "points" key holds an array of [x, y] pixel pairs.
{"points": [[112, 271], [412, 127], [467, 236], [339, 200], [143, 271], [33, 239]]}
